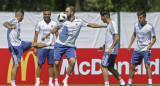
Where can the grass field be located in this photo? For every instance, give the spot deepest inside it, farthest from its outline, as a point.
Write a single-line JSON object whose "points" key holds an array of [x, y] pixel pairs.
{"points": [[92, 85]]}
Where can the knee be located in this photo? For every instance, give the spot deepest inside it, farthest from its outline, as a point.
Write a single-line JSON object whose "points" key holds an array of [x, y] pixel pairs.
{"points": [[147, 66], [40, 65], [110, 69], [56, 63], [72, 61], [133, 67], [16, 66], [50, 65], [101, 66]]}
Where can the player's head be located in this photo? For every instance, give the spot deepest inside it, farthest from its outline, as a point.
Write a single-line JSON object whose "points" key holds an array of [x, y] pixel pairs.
{"points": [[70, 10], [46, 15], [19, 14], [104, 15], [141, 16]]}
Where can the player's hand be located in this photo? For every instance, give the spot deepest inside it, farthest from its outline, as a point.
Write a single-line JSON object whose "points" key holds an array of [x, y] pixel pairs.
{"points": [[129, 48], [35, 51], [109, 51], [13, 27], [43, 38], [101, 48], [148, 48]]}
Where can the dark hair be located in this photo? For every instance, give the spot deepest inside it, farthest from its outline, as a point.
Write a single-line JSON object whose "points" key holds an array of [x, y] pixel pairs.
{"points": [[20, 11], [71, 8], [46, 9], [142, 12], [105, 12]]}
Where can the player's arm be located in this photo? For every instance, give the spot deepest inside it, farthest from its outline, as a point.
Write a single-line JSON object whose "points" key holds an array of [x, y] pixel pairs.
{"points": [[7, 25], [132, 40], [94, 25], [57, 34], [116, 39], [36, 36], [35, 40], [153, 39], [52, 32], [152, 43]]}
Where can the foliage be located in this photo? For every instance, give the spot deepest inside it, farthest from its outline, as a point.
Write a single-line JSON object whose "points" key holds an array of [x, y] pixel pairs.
{"points": [[81, 5]]}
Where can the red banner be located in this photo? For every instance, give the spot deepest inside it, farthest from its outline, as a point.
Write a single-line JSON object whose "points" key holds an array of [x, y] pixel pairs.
{"points": [[86, 71]]}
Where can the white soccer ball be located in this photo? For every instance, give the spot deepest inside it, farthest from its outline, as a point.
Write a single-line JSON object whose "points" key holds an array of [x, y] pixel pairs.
{"points": [[62, 17]]}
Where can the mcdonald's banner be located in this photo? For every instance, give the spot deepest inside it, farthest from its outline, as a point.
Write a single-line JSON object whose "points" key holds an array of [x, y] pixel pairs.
{"points": [[87, 69]]}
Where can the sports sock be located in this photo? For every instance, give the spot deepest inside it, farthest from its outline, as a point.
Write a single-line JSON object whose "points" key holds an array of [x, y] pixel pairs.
{"points": [[13, 82], [130, 81], [50, 79], [66, 78], [38, 79], [149, 81], [56, 81], [106, 83], [122, 82]]}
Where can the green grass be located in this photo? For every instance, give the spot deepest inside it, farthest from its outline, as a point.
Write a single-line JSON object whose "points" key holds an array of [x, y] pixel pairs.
{"points": [[93, 85]]}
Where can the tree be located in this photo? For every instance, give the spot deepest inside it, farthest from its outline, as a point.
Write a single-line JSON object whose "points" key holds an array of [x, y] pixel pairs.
{"points": [[81, 5]]}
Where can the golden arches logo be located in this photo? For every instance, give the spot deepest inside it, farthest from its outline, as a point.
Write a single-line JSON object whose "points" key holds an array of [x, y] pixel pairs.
{"points": [[24, 63]]}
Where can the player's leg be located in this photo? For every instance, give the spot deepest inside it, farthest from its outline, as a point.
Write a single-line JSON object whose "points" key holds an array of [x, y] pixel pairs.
{"points": [[136, 60], [105, 75], [149, 74], [16, 52], [38, 74], [50, 71], [71, 56], [13, 74], [147, 57], [72, 62], [70, 68], [104, 65], [111, 62], [58, 53], [50, 60], [41, 55], [117, 76], [41, 45], [56, 71], [38, 45]]}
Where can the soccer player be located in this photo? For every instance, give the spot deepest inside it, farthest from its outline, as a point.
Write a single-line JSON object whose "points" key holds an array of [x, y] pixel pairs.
{"points": [[144, 32], [65, 43], [111, 49], [16, 46], [43, 27]]}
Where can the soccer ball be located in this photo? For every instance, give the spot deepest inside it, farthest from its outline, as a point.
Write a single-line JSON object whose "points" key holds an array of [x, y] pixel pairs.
{"points": [[62, 17]]}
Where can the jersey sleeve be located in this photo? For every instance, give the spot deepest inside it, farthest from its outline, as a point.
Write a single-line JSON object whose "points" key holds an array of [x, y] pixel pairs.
{"points": [[135, 28], [153, 31], [114, 28], [84, 23], [12, 21], [37, 27]]}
